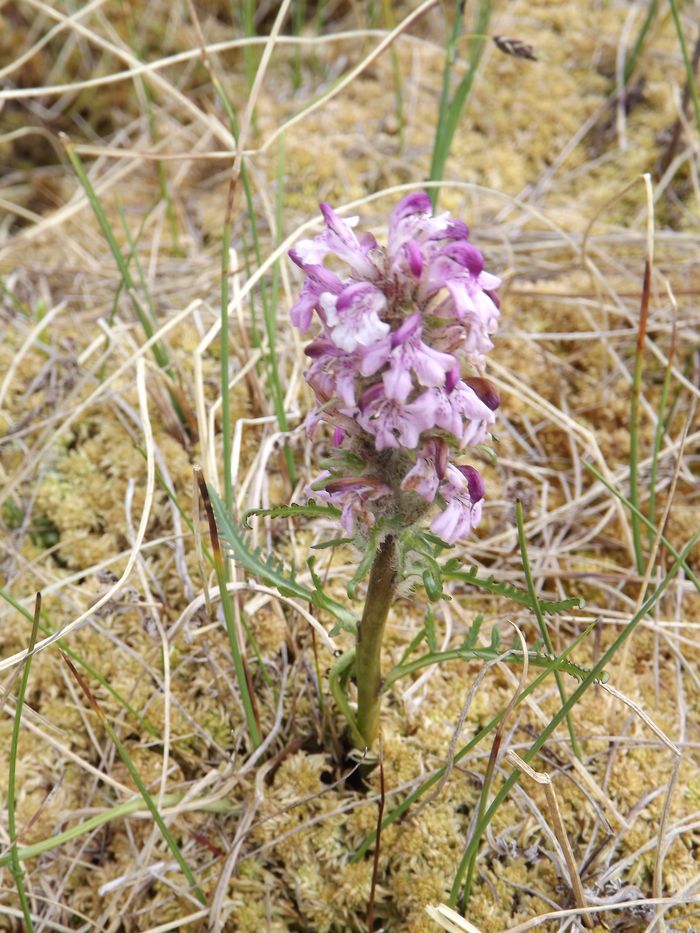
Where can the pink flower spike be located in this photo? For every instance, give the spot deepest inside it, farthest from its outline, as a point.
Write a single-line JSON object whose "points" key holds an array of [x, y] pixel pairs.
{"points": [[406, 219], [410, 328], [466, 255], [303, 308], [375, 356], [452, 378], [485, 390], [333, 372], [394, 332], [414, 258], [324, 280], [418, 202]]}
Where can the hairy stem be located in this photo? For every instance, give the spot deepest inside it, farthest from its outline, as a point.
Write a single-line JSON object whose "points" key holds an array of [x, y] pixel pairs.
{"points": [[370, 633]]}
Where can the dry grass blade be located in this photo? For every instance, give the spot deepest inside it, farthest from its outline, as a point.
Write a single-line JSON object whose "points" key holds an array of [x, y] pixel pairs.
{"points": [[450, 920], [545, 780]]}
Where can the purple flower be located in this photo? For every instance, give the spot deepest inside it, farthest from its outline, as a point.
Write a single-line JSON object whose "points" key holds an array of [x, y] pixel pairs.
{"points": [[338, 239], [454, 406], [463, 492], [414, 233], [333, 371], [353, 316], [392, 423], [458, 268], [318, 281], [352, 495], [406, 353], [431, 462], [386, 365]]}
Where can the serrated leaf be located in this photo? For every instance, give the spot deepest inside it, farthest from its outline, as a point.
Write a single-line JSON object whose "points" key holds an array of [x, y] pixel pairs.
{"points": [[522, 597], [334, 542], [310, 510], [364, 566], [318, 583], [271, 571], [473, 633]]}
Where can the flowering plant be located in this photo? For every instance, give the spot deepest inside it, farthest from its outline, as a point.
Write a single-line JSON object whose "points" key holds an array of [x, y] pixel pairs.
{"points": [[398, 328], [397, 370], [386, 368]]}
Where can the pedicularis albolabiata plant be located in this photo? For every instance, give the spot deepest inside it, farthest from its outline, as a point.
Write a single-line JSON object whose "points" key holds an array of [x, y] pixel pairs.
{"points": [[398, 328], [399, 336]]}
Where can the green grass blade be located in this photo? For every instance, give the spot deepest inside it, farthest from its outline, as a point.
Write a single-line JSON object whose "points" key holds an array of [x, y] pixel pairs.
{"points": [[209, 557], [269, 308], [439, 156], [661, 427], [159, 353], [645, 521], [449, 113], [226, 426], [336, 675], [236, 654], [390, 24], [145, 87], [17, 304], [250, 52], [121, 810], [15, 864], [544, 631], [640, 41], [298, 17], [211, 503], [634, 419], [689, 72], [270, 313]]}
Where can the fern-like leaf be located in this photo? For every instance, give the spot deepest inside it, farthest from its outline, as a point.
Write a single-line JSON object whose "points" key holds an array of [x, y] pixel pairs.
{"points": [[310, 510], [272, 571], [522, 597]]}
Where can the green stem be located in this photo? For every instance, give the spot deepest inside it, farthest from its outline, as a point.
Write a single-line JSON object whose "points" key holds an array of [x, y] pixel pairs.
{"points": [[370, 633], [640, 41]]}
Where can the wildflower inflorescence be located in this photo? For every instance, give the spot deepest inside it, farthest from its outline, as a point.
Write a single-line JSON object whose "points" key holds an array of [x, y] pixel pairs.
{"points": [[386, 368]]}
